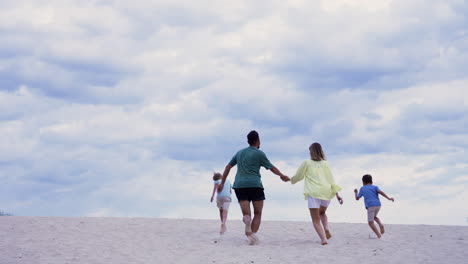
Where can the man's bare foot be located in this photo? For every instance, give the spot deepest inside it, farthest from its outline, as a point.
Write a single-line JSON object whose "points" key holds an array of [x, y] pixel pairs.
{"points": [[324, 242], [248, 225], [328, 234], [253, 239], [257, 240], [223, 229], [382, 229]]}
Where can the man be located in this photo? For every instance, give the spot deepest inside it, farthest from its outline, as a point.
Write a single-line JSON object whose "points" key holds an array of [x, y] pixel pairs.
{"points": [[248, 185]]}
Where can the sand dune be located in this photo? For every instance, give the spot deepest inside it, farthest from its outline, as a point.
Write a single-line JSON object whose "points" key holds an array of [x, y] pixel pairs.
{"points": [[144, 240]]}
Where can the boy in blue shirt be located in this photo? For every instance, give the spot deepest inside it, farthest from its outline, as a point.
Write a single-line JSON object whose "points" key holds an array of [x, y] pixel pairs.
{"points": [[372, 202]]}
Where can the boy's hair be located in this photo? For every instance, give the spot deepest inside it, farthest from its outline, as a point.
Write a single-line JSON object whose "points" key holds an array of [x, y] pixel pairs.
{"points": [[252, 137], [316, 152], [217, 176], [367, 179]]}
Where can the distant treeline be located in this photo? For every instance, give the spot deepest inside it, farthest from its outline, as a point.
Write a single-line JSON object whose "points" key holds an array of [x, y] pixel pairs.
{"points": [[4, 214]]}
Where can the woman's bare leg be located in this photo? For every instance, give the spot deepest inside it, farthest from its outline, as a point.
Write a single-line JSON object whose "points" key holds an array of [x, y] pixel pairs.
{"points": [[324, 220], [315, 214]]}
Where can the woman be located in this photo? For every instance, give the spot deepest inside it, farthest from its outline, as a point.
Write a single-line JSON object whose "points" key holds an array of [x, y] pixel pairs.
{"points": [[319, 189]]}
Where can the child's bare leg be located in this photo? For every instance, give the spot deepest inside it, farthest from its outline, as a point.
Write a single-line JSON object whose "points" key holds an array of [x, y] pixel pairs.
{"points": [[223, 224], [221, 218], [315, 214], [324, 220], [374, 228], [225, 215], [382, 228]]}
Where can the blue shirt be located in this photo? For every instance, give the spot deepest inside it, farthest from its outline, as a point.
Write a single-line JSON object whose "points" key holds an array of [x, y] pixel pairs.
{"points": [[371, 195], [249, 161]]}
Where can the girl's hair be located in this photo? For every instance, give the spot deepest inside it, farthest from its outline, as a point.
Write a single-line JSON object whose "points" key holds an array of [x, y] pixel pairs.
{"points": [[316, 152], [216, 176]]}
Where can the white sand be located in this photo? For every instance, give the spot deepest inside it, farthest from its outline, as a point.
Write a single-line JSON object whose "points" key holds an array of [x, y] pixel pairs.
{"points": [[145, 240]]}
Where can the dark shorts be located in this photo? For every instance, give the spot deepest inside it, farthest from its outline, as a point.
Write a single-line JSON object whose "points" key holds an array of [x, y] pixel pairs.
{"points": [[250, 194]]}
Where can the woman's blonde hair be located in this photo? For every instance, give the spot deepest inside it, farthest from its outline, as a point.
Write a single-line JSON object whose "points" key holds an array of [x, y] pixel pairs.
{"points": [[316, 152]]}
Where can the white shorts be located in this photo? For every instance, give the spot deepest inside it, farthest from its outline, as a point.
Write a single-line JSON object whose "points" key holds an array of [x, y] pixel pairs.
{"points": [[316, 203], [223, 202]]}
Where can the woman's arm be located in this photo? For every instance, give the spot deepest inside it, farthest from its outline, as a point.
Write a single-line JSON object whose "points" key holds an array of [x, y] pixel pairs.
{"points": [[335, 188], [340, 200], [300, 174]]}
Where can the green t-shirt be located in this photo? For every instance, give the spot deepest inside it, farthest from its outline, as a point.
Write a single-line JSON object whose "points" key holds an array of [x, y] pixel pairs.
{"points": [[249, 161]]}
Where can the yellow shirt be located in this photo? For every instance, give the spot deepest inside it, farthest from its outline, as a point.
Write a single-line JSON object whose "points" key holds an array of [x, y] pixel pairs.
{"points": [[318, 181]]}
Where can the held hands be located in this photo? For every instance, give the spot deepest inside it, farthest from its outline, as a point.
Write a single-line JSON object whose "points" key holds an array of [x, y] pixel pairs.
{"points": [[285, 178], [391, 199]]}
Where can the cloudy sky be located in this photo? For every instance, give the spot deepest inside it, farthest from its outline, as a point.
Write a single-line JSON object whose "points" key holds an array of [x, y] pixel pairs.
{"points": [[125, 108]]}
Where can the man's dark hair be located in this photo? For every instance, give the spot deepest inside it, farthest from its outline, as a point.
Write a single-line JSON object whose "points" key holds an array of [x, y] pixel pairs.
{"points": [[367, 179], [252, 137]]}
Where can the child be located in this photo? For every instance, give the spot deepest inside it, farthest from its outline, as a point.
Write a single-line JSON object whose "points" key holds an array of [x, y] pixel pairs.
{"points": [[372, 202], [223, 199], [319, 189]]}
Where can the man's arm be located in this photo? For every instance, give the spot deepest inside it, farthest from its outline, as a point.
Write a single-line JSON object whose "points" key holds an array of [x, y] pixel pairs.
{"points": [[267, 165], [278, 172], [225, 174], [384, 195]]}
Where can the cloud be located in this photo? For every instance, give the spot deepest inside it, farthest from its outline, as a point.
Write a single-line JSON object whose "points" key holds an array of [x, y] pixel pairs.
{"points": [[123, 109]]}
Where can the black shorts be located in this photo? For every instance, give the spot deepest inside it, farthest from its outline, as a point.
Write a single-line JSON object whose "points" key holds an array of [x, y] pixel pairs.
{"points": [[250, 194]]}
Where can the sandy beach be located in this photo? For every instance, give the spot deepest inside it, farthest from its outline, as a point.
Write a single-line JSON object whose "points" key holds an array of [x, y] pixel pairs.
{"points": [[55, 240]]}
